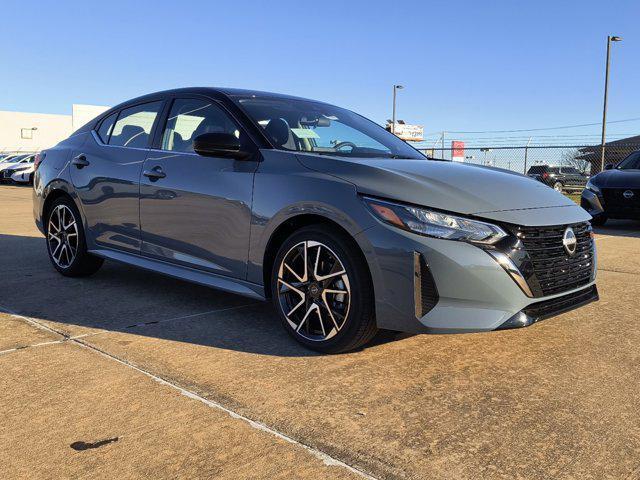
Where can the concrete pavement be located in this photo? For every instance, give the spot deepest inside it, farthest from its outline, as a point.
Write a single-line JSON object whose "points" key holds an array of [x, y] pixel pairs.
{"points": [[560, 399]]}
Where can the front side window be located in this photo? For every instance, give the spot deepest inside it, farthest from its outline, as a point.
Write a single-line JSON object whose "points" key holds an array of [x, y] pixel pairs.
{"points": [[134, 125], [189, 118], [632, 162], [106, 127], [307, 126]]}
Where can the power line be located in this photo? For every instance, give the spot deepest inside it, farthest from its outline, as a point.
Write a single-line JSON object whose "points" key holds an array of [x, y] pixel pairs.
{"points": [[540, 129]]}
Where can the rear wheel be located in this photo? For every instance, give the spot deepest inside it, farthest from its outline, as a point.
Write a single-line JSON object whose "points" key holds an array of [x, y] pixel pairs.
{"points": [[558, 187], [66, 242], [322, 291]]}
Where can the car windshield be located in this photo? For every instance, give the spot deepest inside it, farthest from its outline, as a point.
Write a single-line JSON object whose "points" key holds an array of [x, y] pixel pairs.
{"points": [[632, 162], [306, 126]]}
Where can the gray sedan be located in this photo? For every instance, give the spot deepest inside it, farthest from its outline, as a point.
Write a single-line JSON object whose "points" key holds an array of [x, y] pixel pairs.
{"points": [[344, 226]]}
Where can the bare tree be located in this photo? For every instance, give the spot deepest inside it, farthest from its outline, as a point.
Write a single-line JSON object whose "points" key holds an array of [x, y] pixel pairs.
{"points": [[568, 159]]}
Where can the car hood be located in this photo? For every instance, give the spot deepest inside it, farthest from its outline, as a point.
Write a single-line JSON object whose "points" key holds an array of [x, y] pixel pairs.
{"points": [[455, 187], [617, 179]]}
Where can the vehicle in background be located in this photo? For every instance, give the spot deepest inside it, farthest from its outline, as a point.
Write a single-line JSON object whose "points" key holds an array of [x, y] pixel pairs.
{"points": [[614, 192], [22, 173], [561, 179], [7, 169], [11, 157], [343, 225]]}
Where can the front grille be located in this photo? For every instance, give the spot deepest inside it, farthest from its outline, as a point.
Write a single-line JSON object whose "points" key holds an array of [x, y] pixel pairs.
{"points": [[615, 204], [554, 269], [555, 306]]}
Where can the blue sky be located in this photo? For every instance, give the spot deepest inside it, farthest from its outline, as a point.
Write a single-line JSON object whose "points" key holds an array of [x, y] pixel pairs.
{"points": [[466, 65]]}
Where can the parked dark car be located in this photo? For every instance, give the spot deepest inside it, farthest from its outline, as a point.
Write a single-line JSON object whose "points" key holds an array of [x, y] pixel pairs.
{"points": [[615, 192], [561, 179]]}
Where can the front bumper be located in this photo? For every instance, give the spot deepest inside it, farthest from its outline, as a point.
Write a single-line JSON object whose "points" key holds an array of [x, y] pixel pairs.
{"points": [[473, 292], [592, 203]]}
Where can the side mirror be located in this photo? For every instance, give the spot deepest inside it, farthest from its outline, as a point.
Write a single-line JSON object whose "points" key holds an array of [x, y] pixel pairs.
{"points": [[219, 145], [608, 166]]}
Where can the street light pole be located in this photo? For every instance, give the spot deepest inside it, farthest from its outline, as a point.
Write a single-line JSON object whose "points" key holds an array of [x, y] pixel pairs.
{"points": [[393, 116], [610, 38]]}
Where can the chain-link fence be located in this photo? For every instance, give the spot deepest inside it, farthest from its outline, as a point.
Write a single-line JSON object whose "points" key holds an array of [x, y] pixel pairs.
{"points": [[585, 158]]}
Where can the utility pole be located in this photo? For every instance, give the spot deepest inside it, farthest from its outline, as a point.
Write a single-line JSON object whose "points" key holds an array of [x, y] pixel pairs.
{"points": [[526, 154], [393, 116], [610, 39]]}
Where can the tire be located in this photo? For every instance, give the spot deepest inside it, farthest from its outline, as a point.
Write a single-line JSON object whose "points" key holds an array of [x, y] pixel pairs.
{"points": [[599, 221], [68, 249], [30, 182], [558, 187], [317, 316]]}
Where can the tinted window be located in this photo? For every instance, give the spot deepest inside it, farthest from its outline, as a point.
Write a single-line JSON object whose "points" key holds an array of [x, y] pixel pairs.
{"points": [[570, 171], [134, 125], [309, 126], [632, 162], [189, 118], [554, 170], [106, 127], [537, 169]]}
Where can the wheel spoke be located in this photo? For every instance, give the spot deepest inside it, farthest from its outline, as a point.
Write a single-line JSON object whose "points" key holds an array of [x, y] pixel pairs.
{"points": [[306, 315], [326, 304], [71, 224]]}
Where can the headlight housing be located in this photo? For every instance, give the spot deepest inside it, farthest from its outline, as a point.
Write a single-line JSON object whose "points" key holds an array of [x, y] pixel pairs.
{"points": [[592, 187], [435, 224]]}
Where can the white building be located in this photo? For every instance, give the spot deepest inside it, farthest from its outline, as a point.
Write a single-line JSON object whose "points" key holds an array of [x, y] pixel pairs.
{"points": [[31, 132]]}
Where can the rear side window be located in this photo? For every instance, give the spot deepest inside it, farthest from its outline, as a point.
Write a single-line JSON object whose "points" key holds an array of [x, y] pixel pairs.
{"points": [[554, 170], [106, 127], [134, 124]]}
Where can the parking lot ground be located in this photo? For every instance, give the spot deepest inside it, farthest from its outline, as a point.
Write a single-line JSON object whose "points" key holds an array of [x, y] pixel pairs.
{"points": [[560, 399]]}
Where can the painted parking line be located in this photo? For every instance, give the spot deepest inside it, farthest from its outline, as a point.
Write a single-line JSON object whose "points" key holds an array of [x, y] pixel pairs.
{"points": [[78, 340]]}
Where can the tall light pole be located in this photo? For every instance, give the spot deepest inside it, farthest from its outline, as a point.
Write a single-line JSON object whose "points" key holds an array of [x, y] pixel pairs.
{"points": [[393, 116], [610, 38]]}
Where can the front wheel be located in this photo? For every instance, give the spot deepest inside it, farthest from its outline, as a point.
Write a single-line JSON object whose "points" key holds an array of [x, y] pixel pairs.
{"points": [[65, 240], [322, 291]]}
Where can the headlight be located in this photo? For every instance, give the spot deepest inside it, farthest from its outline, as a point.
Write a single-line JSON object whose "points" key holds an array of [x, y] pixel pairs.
{"points": [[435, 224], [592, 187]]}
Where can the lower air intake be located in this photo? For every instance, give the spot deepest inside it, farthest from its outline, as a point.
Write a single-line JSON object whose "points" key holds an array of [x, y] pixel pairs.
{"points": [[424, 287]]}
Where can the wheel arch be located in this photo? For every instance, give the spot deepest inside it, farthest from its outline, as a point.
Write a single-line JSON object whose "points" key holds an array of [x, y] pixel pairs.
{"points": [[54, 191], [293, 224]]}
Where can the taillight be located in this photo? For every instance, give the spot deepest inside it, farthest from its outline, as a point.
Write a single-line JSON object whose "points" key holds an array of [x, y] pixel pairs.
{"points": [[545, 175], [38, 160]]}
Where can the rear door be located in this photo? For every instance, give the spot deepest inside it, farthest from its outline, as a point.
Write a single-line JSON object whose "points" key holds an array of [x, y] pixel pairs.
{"points": [[194, 210], [106, 174]]}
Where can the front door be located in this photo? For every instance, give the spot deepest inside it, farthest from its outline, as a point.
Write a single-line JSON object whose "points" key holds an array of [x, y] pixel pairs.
{"points": [[194, 210], [106, 172]]}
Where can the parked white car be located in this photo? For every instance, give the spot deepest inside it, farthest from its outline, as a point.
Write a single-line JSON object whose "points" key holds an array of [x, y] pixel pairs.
{"points": [[23, 174], [7, 169]]}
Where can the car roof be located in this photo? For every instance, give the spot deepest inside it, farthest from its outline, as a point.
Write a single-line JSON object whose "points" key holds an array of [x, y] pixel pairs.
{"points": [[214, 92]]}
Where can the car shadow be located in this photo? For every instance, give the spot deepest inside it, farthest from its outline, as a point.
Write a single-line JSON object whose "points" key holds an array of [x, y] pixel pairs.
{"points": [[619, 228], [120, 298]]}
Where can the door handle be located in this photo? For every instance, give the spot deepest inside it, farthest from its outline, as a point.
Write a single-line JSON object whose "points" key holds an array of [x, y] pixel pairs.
{"points": [[154, 174], [80, 161]]}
